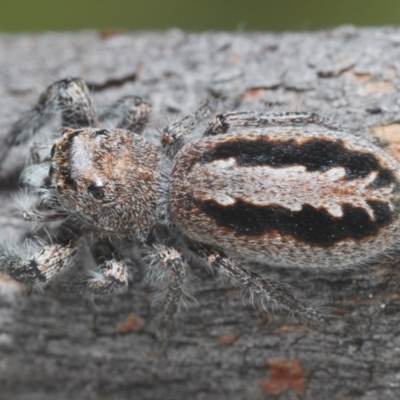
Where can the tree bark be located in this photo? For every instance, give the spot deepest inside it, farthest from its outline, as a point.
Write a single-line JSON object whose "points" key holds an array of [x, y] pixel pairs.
{"points": [[62, 346]]}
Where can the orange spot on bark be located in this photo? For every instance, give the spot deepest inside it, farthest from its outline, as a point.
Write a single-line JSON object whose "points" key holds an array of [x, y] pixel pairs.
{"points": [[350, 75], [107, 33], [284, 375], [285, 329], [378, 87], [236, 58], [390, 134], [395, 297], [338, 311], [227, 340], [253, 93], [367, 86], [265, 318], [362, 78], [133, 323], [356, 300]]}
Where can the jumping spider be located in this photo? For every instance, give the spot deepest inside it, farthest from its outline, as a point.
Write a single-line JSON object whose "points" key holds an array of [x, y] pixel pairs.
{"points": [[279, 189]]}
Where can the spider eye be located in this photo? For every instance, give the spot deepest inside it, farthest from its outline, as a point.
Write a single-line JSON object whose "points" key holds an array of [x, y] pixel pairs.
{"points": [[102, 132], [97, 192], [70, 183]]}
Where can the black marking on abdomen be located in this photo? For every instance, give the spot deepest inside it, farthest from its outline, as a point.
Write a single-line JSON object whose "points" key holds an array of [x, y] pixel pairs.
{"points": [[315, 227], [314, 155]]}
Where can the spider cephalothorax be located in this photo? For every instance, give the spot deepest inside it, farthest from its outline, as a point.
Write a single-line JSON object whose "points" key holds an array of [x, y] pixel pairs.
{"points": [[281, 189], [108, 179]]}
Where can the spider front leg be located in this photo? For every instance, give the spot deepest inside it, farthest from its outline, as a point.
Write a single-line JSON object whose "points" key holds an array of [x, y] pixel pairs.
{"points": [[36, 263], [132, 112], [267, 291], [168, 267], [114, 273], [113, 276], [173, 136], [69, 96], [224, 123]]}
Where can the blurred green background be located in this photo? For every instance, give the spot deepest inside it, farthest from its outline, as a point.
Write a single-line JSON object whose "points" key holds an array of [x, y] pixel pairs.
{"points": [[194, 15]]}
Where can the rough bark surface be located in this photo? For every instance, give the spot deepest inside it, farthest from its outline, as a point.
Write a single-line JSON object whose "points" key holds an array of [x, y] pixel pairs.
{"points": [[61, 346]]}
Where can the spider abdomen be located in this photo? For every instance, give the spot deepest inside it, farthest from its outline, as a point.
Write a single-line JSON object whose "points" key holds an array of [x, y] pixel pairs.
{"points": [[293, 196]]}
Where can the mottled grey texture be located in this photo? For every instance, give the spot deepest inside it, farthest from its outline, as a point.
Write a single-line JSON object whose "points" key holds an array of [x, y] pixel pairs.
{"points": [[60, 346]]}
